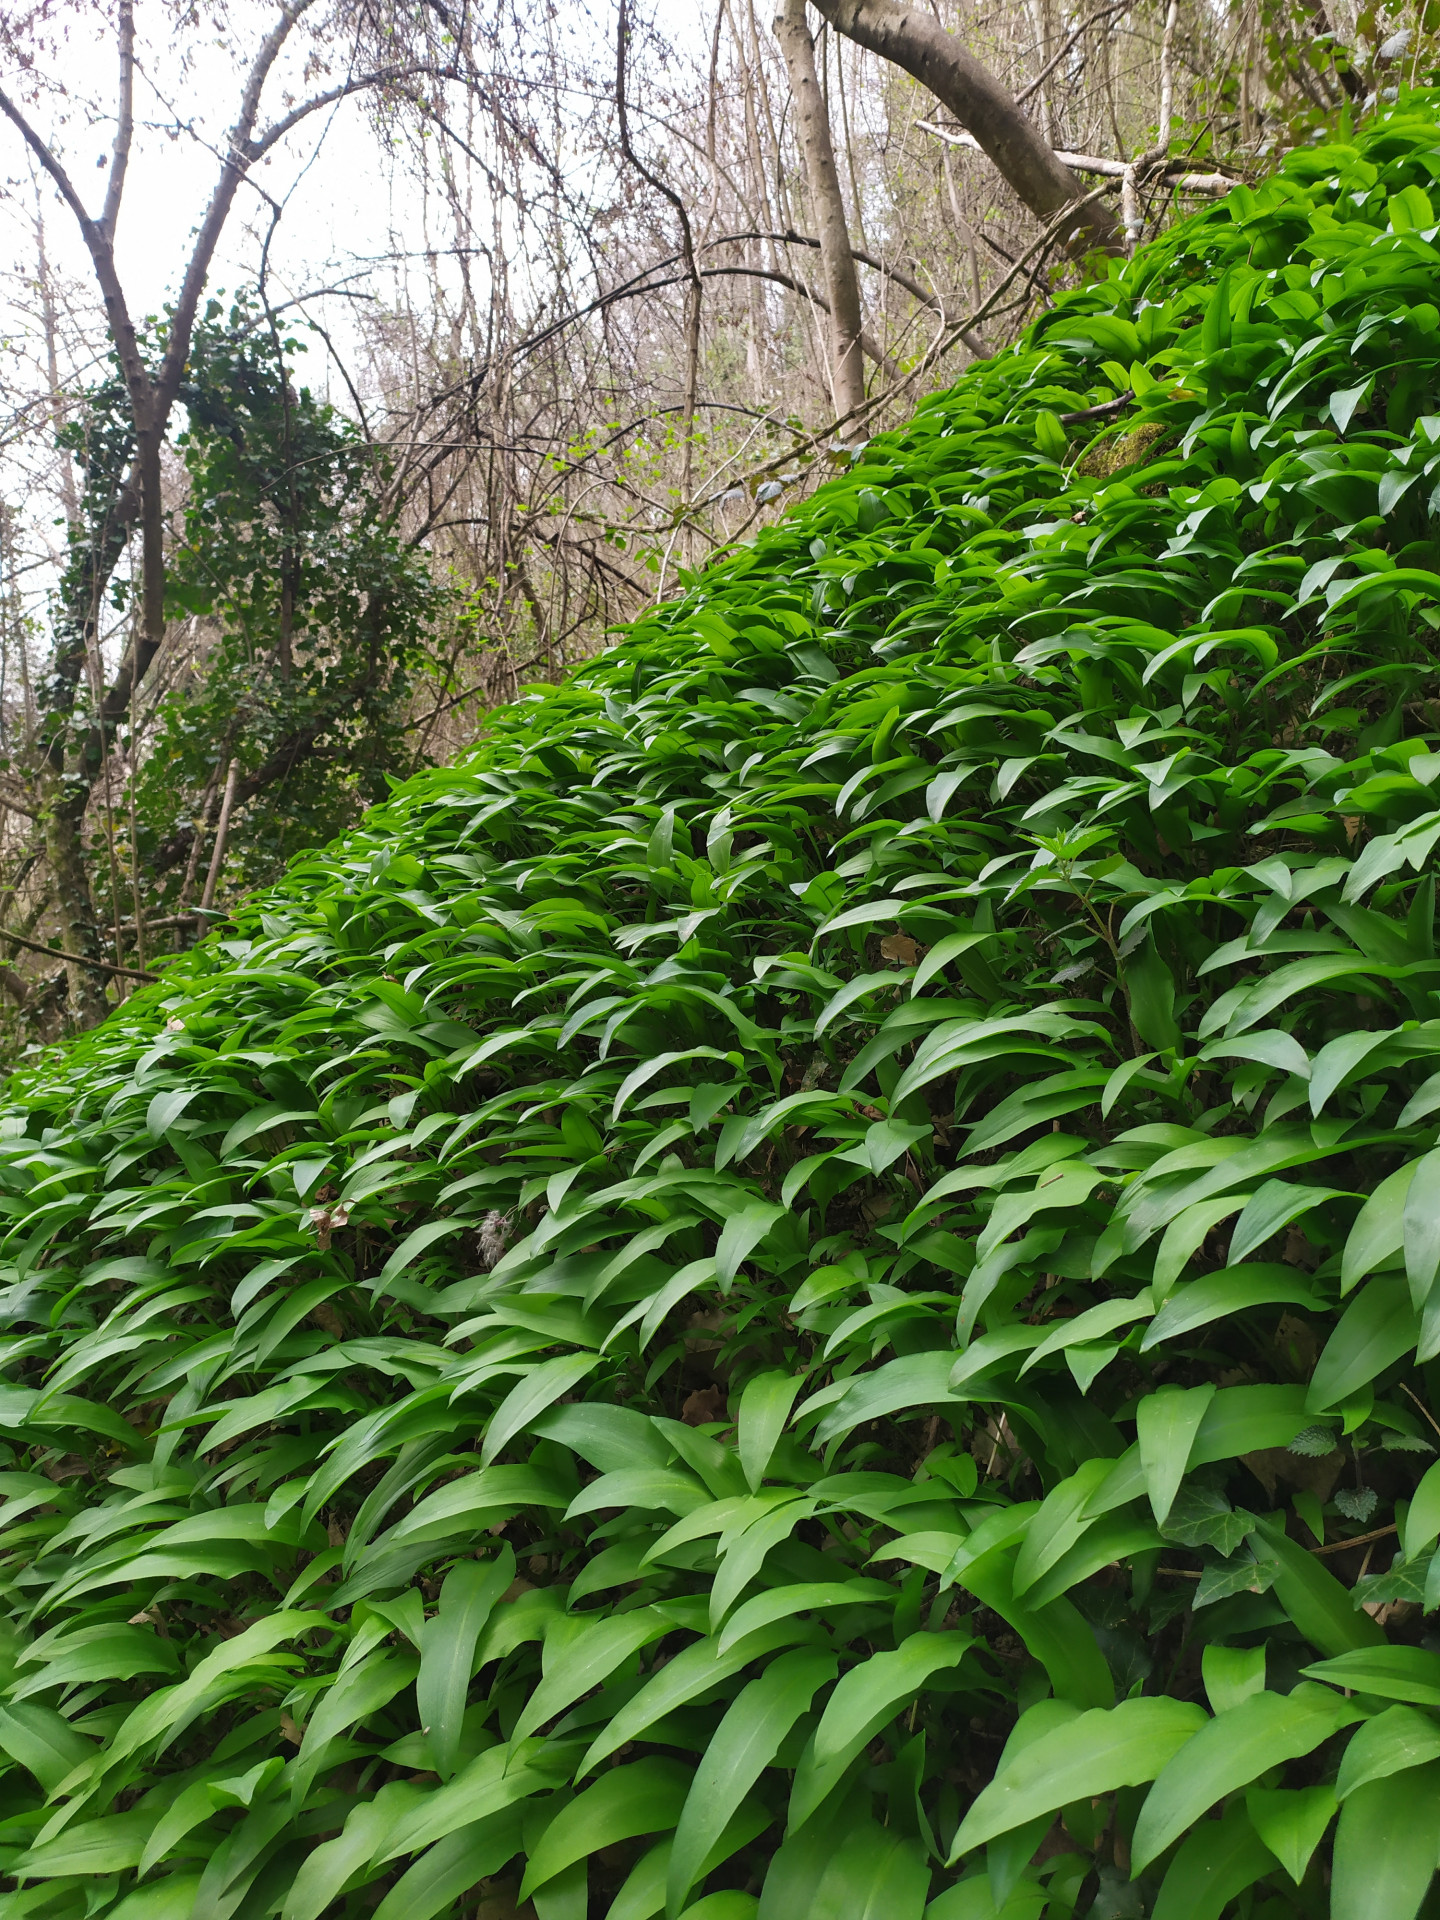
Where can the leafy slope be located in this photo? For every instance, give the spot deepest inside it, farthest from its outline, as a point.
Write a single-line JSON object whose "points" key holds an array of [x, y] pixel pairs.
{"points": [[866, 1168]]}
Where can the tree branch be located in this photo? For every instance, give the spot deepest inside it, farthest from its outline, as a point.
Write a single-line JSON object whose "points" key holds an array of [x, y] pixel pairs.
{"points": [[124, 121]]}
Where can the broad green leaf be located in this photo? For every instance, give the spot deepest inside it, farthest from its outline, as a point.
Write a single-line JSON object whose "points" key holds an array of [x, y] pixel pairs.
{"points": [[1398, 1738], [1233, 1750], [448, 1870], [1124, 1746], [971, 1899], [1379, 1230], [1274, 1205], [1218, 1295], [1292, 1821], [779, 1603], [1057, 1526], [1058, 1635], [693, 1671], [1320, 1607], [1421, 1229], [742, 1746], [643, 1894], [866, 1697], [742, 1233], [42, 1741], [644, 1797], [588, 1660], [845, 1868], [170, 1898], [540, 1388], [764, 1408], [1384, 1855], [1392, 1673], [1167, 1422], [1232, 1675], [327, 1867], [90, 1848], [1372, 1334], [1216, 1863], [358, 1692], [494, 1780], [1422, 1522], [447, 1650]]}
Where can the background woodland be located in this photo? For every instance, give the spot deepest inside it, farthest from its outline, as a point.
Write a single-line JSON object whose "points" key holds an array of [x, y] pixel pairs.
{"points": [[263, 553]]}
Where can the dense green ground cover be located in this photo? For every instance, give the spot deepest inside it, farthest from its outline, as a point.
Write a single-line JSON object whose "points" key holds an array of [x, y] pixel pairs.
{"points": [[791, 1284]]}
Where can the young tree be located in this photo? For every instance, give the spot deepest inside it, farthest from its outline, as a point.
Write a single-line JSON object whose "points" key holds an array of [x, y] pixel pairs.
{"points": [[79, 724], [847, 369]]}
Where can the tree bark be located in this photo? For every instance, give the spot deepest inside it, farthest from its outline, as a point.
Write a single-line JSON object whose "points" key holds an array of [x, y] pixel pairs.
{"points": [[847, 366], [63, 802], [936, 59]]}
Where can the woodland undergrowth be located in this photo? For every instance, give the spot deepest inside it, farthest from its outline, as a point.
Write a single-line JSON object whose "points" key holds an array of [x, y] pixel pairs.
{"points": [[811, 1286]]}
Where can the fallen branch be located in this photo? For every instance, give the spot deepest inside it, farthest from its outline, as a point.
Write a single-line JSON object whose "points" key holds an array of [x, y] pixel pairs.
{"points": [[1174, 172], [75, 959], [1103, 412]]}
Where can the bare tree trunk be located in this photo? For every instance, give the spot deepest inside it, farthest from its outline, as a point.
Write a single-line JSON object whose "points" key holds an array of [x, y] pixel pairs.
{"points": [[222, 835], [916, 42], [847, 365], [62, 818]]}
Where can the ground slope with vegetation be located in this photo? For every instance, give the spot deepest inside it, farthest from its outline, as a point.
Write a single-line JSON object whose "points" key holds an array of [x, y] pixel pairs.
{"points": [[785, 1293]]}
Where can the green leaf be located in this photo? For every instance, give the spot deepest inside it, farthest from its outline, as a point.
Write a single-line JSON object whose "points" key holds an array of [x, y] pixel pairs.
{"points": [[91, 1848], [645, 1797], [1096, 1753], [742, 1746], [448, 1870], [494, 1780], [1384, 1855], [327, 1867], [1216, 1864], [1219, 1295], [693, 1671], [1247, 1572], [1422, 1522], [588, 1660], [1203, 1517], [1314, 1599], [170, 1898], [447, 1650], [764, 1408], [1379, 1230], [865, 1700], [1392, 1673], [541, 1386], [1167, 1422], [1058, 1635], [851, 1869], [1375, 1330], [1273, 1206], [1398, 1738], [1292, 1822], [819, 1596], [1232, 1675], [42, 1741], [1421, 1230], [970, 1899], [1151, 989], [741, 1234], [1234, 1749], [1057, 1526]]}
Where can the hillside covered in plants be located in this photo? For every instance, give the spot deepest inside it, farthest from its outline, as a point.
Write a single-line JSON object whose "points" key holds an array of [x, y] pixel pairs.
{"points": [[810, 1288]]}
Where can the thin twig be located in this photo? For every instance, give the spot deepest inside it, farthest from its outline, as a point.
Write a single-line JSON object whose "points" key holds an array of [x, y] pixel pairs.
{"points": [[75, 959], [1360, 1540]]}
